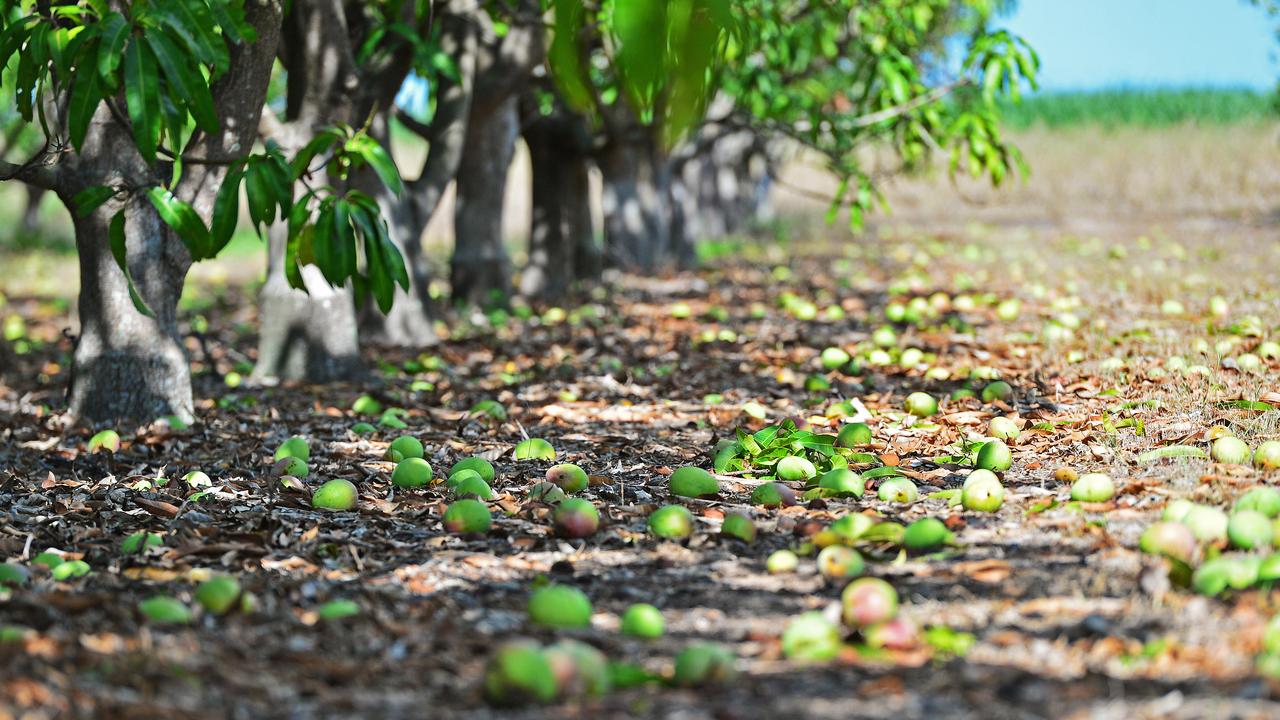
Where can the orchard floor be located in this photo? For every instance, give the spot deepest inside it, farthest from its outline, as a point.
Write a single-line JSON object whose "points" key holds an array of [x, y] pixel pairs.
{"points": [[1068, 618]]}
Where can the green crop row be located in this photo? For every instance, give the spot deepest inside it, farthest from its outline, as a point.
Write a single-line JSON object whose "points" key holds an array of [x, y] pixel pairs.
{"points": [[1142, 108]]}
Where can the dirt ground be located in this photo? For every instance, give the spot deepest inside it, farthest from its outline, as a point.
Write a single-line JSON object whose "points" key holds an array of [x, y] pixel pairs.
{"points": [[1068, 618]]}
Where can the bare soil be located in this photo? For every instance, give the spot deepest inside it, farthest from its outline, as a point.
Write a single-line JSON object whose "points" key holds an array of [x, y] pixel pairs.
{"points": [[1069, 618]]}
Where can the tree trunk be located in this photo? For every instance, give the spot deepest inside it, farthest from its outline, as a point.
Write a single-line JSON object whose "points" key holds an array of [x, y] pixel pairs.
{"points": [[721, 185], [637, 204], [480, 272], [408, 324], [562, 245], [309, 335], [312, 336], [30, 228], [128, 366]]}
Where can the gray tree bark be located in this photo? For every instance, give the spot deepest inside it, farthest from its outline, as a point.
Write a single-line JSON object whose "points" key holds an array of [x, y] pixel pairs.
{"points": [[409, 322], [30, 227], [720, 185], [480, 268], [312, 336], [562, 244], [637, 203], [309, 335], [480, 271], [126, 366]]}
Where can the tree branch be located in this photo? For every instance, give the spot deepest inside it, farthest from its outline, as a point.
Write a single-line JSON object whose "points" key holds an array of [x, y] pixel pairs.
{"points": [[38, 171], [890, 113], [414, 125]]}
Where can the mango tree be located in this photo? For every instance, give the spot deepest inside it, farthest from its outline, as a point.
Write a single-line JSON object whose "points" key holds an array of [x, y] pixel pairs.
{"points": [[919, 77], [150, 115]]}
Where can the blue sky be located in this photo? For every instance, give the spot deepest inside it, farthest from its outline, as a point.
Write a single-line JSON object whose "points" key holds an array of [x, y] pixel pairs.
{"points": [[1089, 44]]}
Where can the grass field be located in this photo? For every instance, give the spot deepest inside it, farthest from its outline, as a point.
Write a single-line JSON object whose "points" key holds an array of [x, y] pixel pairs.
{"points": [[1141, 108]]}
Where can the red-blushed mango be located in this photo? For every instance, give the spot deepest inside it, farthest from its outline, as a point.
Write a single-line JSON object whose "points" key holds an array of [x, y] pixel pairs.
{"points": [[571, 478], [576, 518], [868, 601]]}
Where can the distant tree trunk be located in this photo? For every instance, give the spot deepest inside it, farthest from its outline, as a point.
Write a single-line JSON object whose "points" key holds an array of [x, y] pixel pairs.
{"points": [[637, 203], [562, 245], [408, 323], [128, 366], [309, 335], [31, 213], [312, 336], [480, 272], [720, 185]]}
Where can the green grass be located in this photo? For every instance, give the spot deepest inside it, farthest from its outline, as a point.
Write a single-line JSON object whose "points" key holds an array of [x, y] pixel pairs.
{"points": [[1142, 108]]}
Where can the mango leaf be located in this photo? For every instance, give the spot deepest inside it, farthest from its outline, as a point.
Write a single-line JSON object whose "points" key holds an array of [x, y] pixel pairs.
{"points": [[230, 18], [116, 241], [90, 199], [641, 32], [185, 222], [226, 211], [142, 97], [565, 56], [376, 157], [192, 22], [86, 95], [115, 33], [188, 84]]}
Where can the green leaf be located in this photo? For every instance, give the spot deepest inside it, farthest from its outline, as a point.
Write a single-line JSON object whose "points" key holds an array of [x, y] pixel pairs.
{"points": [[184, 220], [86, 95], [344, 239], [175, 122], [233, 26], [292, 271], [142, 96], [262, 201], [641, 58], [374, 155], [90, 199], [394, 262], [1254, 405], [565, 57], [31, 67], [59, 40], [116, 241], [192, 23], [115, 33], [322, 245], [13, 37], [188, 83], [226, 211]]}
